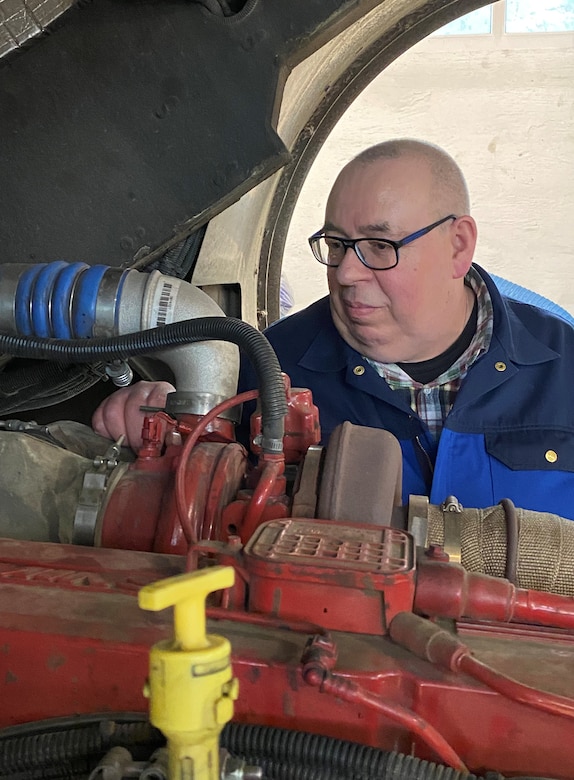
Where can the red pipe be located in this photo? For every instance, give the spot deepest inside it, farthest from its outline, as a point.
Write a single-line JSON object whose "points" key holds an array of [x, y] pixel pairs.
{"points": [[345, 689], [512, 689], [447, 590], [267, 621], [546, 609], [273, 467], [316, 675], [432, 643], [182, 506]]}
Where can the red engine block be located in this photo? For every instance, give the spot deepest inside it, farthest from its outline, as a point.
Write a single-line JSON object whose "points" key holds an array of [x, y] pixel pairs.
{"points": [[340, 629], [311, 650]]}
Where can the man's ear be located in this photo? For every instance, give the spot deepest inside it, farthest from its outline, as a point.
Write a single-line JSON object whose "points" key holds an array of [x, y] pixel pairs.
{"points": [[463, 237]]}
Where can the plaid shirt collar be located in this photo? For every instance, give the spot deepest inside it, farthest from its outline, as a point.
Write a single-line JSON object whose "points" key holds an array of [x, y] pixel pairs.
{"points": [[437, 397]]}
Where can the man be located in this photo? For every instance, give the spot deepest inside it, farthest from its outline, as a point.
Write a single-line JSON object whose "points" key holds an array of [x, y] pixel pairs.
{"points": [[416, 339]]}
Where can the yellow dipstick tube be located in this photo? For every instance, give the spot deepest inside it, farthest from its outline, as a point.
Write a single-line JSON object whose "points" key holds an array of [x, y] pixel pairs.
{"points": [[191, 685]]}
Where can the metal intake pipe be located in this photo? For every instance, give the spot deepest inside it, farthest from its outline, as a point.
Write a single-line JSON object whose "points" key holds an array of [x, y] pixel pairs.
{"points": [[73, 301]]}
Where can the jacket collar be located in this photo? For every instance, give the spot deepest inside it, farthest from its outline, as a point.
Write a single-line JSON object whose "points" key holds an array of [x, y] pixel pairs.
{"points": [[513, 336], [327, 351]]}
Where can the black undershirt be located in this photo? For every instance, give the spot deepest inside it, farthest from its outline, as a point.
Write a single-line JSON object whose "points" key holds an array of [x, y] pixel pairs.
{"points": [[427, 370]]}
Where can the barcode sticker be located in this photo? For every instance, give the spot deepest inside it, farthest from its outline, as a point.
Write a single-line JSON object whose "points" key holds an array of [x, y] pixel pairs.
{"points": [[164, 303]]}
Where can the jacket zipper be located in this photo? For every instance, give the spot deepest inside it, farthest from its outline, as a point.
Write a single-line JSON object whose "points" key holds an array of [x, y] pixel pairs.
{"points": [[426, 464]]}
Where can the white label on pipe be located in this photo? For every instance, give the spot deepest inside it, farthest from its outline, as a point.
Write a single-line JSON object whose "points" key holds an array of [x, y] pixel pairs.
{"points": [[163, 303]]}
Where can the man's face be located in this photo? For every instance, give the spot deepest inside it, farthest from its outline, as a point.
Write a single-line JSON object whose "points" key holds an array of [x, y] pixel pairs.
{"points": [[418, 309]]}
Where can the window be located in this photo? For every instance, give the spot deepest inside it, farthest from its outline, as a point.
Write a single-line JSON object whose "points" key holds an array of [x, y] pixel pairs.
{"points": [[534, 16], [514, 16], [477, 22]]}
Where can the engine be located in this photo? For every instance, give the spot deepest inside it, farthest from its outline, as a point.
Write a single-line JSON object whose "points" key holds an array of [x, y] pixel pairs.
{"points": [[367, 638]]}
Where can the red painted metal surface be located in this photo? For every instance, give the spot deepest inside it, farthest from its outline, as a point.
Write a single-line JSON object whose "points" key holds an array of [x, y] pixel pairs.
{"points": [[142, 511], [447, 590], [302, 428], [191, 490], [308, 617], [347, 578], [73, 641]]}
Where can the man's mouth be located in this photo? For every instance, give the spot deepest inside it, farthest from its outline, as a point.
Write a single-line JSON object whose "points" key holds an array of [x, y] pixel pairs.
{"points": [[357, 306]]}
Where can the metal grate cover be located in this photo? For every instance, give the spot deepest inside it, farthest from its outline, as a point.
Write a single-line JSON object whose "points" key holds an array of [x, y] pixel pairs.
{"points": [[379, 550]]}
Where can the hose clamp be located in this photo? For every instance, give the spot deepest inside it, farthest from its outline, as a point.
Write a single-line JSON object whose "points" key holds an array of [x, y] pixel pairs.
{"points": [[418, 520], [451, 514], [93, 491]]}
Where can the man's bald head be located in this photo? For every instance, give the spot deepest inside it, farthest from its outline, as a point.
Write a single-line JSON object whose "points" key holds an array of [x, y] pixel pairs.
{"points": [[450, 190]]}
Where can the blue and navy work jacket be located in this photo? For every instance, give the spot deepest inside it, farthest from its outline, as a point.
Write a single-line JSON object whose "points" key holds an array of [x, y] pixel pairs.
{"points": [[510, 433]]}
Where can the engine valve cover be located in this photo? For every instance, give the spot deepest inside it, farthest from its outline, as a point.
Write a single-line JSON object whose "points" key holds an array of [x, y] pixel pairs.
{"points": [[342, 577]]}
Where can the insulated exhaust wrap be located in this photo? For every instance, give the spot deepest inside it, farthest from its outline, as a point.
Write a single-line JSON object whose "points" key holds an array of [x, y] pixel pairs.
{"points": [[535, 550]]}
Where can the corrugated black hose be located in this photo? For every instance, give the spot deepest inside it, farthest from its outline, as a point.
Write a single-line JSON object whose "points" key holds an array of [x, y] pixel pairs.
{"points": [[70, 747], [248, 338], [297, 755]]}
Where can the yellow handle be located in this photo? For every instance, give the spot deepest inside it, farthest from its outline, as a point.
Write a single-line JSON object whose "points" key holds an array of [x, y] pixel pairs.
{"points": [[187, 593]]}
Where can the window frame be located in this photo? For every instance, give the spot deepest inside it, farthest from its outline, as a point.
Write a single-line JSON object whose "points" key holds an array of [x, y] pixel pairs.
{"points": [[499, 37]]}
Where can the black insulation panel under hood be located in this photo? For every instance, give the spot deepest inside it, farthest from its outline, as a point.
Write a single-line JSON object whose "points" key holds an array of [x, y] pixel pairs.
{"points": [[133, 123]]}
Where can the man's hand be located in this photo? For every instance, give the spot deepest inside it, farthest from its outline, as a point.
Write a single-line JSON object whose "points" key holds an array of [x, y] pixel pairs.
{"points": [[120, 412]]}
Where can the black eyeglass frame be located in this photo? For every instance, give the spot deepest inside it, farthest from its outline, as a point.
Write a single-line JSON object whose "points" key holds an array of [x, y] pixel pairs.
{"points": [[351, 243]]}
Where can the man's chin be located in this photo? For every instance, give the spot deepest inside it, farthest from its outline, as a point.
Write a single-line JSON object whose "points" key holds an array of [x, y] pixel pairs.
{"points": [[367, 340]]}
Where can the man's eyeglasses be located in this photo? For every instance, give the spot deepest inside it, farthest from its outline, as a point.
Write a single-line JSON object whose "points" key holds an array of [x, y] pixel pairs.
{"points": [[379, 254]]}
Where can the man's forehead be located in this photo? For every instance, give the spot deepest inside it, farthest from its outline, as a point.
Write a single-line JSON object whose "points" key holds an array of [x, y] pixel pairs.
{"points": [[376, 197], [396, 173], [366, 229]]}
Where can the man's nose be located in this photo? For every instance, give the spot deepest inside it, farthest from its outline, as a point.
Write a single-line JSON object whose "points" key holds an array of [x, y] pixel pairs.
{"points": [[351, 269]]}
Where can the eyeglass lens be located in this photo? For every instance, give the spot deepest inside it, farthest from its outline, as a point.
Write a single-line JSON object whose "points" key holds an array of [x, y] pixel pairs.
{"points": [[375, 253]]}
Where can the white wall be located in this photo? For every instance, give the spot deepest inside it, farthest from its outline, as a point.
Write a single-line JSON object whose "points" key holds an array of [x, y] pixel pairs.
{"points": [[504, 108]]}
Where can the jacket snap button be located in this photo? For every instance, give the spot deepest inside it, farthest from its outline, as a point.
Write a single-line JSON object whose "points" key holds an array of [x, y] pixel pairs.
{"points": [[551, 456], [359, 370], [500, 366]]}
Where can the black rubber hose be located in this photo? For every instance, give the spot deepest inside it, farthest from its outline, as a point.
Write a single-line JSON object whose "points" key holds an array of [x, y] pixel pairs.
{"points": [[276, 770], [29, 753], [75, 769], [252, 341], [405, 768], [512, 538], [67, 742], [283, 754], [28, 750], [330, 758]]}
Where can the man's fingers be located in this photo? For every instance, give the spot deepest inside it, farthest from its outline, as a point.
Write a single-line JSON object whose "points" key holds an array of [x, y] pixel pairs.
{"points": [[120, 413]]}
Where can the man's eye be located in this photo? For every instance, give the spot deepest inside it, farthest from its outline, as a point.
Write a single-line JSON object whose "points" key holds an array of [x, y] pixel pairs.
{"points": [[379, 247], [334, 244]]}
